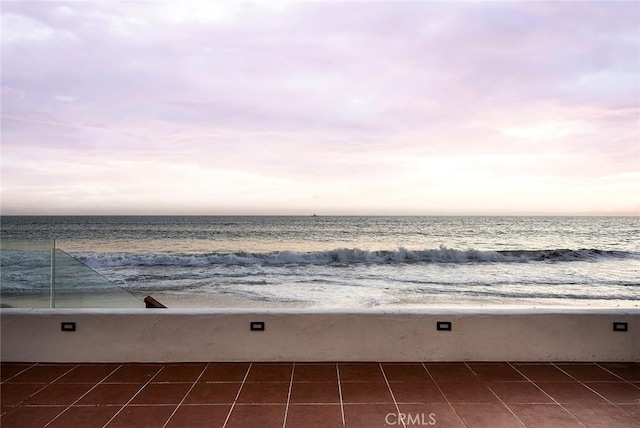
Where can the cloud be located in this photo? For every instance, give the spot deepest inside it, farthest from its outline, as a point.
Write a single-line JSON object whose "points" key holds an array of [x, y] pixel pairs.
{"points": [[354, 101]]}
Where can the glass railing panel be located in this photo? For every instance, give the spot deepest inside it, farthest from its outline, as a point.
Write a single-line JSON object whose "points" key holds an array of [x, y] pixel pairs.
{"points": [[25, 273], [25, 280], [78, 286]]}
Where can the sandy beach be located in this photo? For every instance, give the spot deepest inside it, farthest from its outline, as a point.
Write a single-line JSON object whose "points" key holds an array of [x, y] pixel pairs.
{"points": [[182, 300], [190, 300], [171, 300]]}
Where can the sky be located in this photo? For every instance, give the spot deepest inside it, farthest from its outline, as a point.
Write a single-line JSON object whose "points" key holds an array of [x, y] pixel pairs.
{"points": [[347, 108]]}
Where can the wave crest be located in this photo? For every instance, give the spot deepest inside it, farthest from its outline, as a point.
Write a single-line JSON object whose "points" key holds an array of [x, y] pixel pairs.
{"points": [[442, 254]]}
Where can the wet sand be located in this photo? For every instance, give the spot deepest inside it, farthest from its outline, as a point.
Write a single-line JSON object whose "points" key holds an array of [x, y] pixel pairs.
{"points": [[202, 301], [210, 300], [190, 300]]}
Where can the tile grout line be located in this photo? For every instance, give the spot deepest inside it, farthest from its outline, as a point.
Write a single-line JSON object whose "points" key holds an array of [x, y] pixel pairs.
{"points": [[575, 379], [496, 395], [235, 400], [472, 370], [48, 384], [548, 395], [185, 395], [62, 375], [393, 397], [340, 392], [32, 383], [455, 412], [286, 409], [593, 390], [83, 395], [607, 370], [619, 377], [134, 396], [20, 372], [500, 400]]}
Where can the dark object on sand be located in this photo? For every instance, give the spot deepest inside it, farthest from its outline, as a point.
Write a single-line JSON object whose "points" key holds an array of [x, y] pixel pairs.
{"points": [[150, 302]]}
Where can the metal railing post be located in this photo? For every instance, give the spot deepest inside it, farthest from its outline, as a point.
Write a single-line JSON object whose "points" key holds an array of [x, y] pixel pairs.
{"points": [[52, 291]]}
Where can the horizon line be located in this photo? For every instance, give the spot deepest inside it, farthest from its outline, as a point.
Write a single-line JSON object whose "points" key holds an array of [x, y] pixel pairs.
{"points": [[578, 214]]}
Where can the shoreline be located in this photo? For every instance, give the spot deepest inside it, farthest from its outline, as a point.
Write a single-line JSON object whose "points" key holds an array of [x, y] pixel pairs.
{"points": [[174, 300], [183, 300]]}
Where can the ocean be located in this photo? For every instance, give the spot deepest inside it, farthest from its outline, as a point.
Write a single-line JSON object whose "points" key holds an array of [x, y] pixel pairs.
{"points": [[350, 262]]}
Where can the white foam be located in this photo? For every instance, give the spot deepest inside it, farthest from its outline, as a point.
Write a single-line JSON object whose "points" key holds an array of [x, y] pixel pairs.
{"points": [[442, 254]]}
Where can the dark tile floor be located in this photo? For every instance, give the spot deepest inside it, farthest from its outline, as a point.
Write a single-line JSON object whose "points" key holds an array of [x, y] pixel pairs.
{"points": [[323, 395]]}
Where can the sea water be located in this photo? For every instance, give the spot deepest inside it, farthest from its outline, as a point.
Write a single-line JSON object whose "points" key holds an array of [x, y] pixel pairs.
{"points": [[351, 262]]}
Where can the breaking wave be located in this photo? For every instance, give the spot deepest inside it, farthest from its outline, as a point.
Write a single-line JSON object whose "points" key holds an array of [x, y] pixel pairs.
{"points": [[346, 256]]}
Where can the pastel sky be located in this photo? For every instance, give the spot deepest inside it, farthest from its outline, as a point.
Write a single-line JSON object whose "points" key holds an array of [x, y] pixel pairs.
{"points": [[320, 107]]}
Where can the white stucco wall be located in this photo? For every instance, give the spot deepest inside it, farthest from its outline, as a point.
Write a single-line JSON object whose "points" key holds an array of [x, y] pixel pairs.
{"points": [[182, 335]]}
